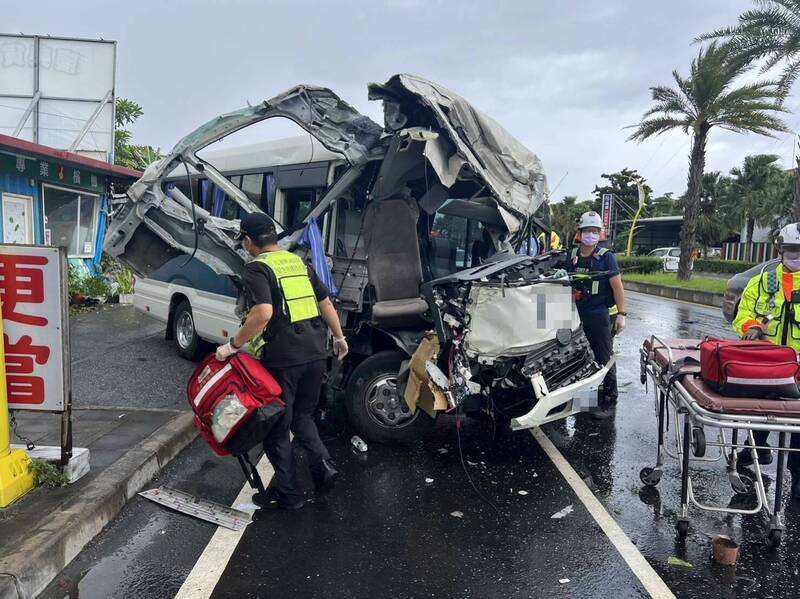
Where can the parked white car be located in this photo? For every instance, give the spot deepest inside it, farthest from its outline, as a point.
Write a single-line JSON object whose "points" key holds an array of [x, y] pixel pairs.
{"points": [[670, 257]]}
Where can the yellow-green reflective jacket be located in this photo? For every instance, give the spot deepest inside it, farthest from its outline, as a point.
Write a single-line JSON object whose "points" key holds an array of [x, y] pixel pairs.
{"points": [[299, 300]]}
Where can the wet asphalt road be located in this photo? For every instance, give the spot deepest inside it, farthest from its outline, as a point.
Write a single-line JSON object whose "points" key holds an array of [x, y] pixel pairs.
{"points": [[386, 532]]}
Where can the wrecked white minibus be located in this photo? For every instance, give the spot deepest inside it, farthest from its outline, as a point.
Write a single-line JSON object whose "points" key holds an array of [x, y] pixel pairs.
{"points": [[430, 328]]}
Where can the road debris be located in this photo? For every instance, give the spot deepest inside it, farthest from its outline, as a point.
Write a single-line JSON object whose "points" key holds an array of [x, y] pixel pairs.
{"points": [[521, 492], [563, 580], [675, 561], [457, 514], [428, 480], [358, 444], [442, 450], [561, 513], [204, 509]]}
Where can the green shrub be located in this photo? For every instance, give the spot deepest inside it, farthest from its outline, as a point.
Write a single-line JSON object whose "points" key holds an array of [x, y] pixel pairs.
{"points": [[45, 473], [730, 267], [75, 281], [125, 282], [96, 286], [640, 264]]}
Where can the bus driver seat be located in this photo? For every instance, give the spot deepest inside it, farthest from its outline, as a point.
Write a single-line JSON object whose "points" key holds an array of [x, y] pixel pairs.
{"points": [[393, 262]]}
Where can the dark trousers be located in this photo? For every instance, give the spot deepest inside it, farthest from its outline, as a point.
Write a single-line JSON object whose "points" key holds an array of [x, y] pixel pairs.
{"points": [[597, 326], [301, 389], [793, 459]]}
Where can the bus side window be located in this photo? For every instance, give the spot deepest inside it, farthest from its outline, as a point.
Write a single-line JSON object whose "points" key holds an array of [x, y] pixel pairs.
{"points": [[297, 204], [252, 185]]}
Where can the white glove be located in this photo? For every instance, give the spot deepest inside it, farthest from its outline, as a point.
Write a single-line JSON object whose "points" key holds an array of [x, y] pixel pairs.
{"points": [[225, 351], [619, 324], [340, 348]]}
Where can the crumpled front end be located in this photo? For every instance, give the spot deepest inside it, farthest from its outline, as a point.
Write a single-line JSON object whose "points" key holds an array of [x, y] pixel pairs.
{"points": [[515, 345]]}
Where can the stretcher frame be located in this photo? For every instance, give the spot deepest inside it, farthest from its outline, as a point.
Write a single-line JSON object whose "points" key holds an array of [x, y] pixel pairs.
{"points": [[672, 397]]}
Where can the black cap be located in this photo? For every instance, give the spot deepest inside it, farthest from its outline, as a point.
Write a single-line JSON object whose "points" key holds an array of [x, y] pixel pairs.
{"points": [[255, 224]]}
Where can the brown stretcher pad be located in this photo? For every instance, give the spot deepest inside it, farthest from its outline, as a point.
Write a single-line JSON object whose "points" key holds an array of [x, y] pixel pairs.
{"points": [[706, 397]]}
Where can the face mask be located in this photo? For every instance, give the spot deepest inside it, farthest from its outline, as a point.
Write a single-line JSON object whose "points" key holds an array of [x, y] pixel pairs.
{"points": [[792, 264], [590, 238]]}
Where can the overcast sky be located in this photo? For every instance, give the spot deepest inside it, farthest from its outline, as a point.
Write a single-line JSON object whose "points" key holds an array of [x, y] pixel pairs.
{"points": [[564, 77]]}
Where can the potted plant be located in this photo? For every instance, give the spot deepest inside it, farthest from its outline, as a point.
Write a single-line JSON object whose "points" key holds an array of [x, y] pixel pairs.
{"points": [[125, 283], [97, 288], [76, 286]]}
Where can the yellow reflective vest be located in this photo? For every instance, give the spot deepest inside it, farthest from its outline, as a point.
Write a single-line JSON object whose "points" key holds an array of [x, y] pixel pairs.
{"points": [[766, 303], [299, 299]]}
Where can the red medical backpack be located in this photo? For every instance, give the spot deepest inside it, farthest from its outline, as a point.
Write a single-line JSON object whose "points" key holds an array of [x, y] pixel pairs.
{"points": [[235, 402], [750, 368]]}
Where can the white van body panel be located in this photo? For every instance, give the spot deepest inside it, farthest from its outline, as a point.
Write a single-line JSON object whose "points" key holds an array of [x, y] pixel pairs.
{"points": [[214, 314]]}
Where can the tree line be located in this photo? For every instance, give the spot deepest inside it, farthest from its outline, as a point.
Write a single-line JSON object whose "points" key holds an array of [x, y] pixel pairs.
{"points": [[718, 93]]}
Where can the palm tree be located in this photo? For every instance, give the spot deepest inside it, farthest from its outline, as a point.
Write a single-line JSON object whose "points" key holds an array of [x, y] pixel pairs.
{"points": [[770, 33], [709, 97], [757, 193], [711, 228]]}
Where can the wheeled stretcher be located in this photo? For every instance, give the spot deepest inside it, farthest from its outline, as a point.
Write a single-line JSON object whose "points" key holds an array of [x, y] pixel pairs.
{"points": [[682, 398]]}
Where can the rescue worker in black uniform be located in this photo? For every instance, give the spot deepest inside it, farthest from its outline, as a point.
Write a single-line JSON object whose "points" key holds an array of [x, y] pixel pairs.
{"points": [[288, 308], [596, 298]]}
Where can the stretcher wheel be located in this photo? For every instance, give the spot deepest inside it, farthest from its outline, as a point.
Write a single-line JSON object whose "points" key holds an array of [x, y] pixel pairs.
{"points": [[744, 485], [682, 527], [650, 476], [698, 442], [774, 538]]}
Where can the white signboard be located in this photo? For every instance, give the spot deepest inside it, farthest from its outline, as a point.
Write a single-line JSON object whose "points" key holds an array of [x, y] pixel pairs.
{"points": [[58, 92], [36, 341]]}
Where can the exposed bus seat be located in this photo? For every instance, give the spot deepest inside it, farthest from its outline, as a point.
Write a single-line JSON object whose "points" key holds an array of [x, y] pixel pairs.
{"points": [[393, 262]]}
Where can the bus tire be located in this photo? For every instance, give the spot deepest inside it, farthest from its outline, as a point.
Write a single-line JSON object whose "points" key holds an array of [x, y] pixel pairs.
{"points": [[184, 332], [374, 410]]}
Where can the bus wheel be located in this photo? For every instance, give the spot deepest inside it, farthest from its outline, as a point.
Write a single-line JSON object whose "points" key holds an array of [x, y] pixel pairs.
{"points": [[184, 333], [374, 408]]}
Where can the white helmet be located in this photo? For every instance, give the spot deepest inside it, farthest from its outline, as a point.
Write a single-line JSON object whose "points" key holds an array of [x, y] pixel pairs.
{"points": [[789, 235], [590, 219]]}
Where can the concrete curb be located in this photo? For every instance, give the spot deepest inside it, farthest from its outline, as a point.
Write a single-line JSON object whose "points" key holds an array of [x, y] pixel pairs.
{"points": [[685, 295], [56, 541]]}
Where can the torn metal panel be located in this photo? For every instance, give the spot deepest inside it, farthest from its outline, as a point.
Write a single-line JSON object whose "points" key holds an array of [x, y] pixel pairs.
{"points": [[420, 391], [333, 122], [172, 227], [513, 173]]}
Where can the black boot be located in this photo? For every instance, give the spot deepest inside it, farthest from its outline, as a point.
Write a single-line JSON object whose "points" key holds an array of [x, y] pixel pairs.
{"points": [[745, 457], [272, 499], [795, 484], [324, 476]]}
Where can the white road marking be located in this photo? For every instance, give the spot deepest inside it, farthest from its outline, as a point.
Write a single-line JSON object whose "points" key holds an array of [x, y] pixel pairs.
{"points": [[212, 563], [636, 562]]}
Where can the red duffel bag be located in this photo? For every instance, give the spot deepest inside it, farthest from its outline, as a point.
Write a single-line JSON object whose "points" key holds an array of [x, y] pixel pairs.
{"points": [[750, 369], [235, 403]]}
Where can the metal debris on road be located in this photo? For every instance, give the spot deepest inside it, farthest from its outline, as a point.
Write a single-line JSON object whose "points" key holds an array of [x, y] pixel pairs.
{"points": [[199, 508], [521, 492], [563, 580], [457, 514], [428, 480], [561, 513]]}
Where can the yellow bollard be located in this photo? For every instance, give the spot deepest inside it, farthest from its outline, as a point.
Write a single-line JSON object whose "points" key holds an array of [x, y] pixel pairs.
{"points": [[15, 479]]}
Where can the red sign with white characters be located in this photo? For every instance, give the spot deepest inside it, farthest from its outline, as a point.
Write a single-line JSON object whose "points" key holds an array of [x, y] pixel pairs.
{"points": [[34, 337]]}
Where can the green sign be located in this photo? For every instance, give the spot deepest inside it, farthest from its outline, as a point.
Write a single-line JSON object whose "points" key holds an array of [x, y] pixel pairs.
{"points": [[48, 171]]}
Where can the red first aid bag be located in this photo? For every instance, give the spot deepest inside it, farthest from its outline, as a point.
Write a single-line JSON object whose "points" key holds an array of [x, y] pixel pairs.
{"points": [[235, 403], [750, 369]]}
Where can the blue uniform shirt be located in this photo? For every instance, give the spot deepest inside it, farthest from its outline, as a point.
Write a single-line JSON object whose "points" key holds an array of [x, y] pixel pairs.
{"points": [[600, 302]]}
